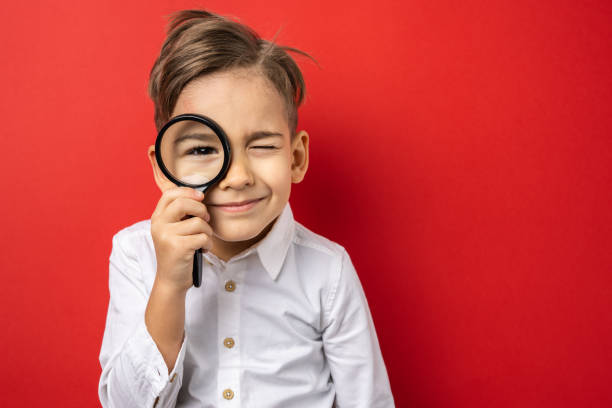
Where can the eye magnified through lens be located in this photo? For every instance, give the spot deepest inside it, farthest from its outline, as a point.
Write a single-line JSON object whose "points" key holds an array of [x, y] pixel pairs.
{"points": [[193, 151]]}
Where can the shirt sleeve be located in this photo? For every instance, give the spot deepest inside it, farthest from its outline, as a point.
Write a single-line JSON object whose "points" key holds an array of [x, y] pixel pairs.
{"points": [[134, 373], [351, 345]]}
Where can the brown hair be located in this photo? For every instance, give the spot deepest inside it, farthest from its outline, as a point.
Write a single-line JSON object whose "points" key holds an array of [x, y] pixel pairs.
{"points": [[200, 42]]}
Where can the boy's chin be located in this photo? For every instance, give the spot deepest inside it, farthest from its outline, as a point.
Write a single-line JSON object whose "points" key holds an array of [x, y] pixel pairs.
{"points": [[241, 234]]}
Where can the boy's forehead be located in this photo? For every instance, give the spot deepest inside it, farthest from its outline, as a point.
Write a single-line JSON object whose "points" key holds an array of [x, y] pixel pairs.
{"points": [[241, 102]]}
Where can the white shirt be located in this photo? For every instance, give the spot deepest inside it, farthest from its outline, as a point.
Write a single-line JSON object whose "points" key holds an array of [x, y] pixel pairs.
{"points": [[295, 331]]}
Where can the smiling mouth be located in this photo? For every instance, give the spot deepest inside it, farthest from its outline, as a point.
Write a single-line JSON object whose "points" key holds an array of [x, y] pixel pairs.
{"points": [[238, 206]]}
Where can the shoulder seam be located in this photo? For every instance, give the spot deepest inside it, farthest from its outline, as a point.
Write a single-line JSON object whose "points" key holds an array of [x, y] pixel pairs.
{"points": [[334, 289], [332, 248]]}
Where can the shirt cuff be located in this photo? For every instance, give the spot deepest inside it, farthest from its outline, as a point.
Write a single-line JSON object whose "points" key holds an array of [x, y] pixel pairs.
{"points": [[157, 387]]}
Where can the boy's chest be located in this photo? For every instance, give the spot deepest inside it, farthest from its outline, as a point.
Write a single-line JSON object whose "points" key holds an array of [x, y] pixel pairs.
{"points": [[241, 314], [260, 338]]}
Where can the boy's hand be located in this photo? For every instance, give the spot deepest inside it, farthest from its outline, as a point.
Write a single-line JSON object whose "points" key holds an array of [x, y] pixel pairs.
{"points": [[176, 236]]}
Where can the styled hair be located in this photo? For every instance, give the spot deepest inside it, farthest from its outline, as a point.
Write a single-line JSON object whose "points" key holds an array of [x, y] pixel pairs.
{"points": [[199, 43]]}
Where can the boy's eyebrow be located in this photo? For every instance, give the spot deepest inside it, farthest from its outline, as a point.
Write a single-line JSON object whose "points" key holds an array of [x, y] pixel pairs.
{"points": [[197, 136], [260, 134]]}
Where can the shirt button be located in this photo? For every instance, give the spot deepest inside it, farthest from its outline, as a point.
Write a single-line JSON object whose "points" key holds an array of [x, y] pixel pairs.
{"points": [[228, 394], [230, 286], [228, 342]]}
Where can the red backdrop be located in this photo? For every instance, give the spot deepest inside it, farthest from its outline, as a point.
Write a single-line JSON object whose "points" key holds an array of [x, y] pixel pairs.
{"points": [[460, 151]]}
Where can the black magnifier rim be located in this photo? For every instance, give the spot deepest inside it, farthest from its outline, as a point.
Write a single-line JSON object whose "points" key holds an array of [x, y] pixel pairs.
{"points": [[207, 122]]}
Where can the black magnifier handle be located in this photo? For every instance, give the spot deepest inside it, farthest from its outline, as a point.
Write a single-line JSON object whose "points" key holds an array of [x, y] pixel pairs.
{"points": [[197, 261], [197, 258], [197, 268]]}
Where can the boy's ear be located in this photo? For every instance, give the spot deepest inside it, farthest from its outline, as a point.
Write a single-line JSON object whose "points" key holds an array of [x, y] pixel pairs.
{"points": [[162, 182], [299, 156]]}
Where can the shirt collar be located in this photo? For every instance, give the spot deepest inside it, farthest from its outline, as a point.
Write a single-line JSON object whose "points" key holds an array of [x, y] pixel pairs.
{"points": [[272, 249]]}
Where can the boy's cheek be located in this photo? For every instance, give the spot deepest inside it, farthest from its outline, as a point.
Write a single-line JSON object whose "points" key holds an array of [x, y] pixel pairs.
{"points": [[275, 168]]}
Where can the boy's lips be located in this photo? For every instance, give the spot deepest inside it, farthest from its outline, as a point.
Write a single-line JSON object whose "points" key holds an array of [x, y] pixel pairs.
{"points": [[238, 206]]}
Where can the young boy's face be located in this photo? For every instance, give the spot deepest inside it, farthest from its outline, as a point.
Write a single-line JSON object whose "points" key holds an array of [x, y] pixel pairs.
{"points": [[243, 102]]}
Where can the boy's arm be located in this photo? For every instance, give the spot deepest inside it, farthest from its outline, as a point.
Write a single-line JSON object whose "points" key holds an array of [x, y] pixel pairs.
{"points": [[351, 345], [134, 371]]}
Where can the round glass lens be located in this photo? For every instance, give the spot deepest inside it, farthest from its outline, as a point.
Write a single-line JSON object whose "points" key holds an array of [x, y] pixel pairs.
{"points": [[192, 152]]}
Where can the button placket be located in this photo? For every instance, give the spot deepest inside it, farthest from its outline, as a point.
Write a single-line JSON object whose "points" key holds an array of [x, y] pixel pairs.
{"points": [[229, 298]]}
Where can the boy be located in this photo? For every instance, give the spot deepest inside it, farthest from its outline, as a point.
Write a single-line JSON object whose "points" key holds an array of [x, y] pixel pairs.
{"points": [[281, 319]]}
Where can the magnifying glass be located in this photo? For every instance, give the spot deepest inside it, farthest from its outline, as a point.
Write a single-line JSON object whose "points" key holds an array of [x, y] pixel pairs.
{"points": [[193, 151]]}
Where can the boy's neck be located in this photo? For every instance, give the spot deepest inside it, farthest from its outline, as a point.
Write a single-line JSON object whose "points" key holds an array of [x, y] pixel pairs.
{"points": [[225, 250]]}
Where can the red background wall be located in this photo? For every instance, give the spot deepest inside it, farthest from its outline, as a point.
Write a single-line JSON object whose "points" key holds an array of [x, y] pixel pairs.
{"points": [[460, 151]]}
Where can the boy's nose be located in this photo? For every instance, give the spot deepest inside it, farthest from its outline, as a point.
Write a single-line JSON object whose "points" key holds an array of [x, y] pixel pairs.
{"points": [[238, 175]]}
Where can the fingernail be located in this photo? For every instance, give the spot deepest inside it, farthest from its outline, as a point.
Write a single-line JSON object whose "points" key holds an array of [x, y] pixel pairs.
{"points": [[199, 194]]}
